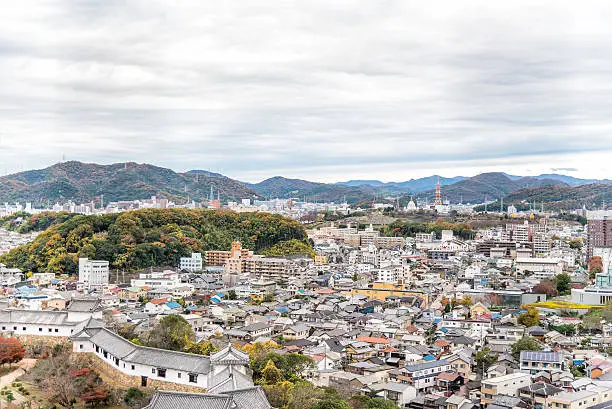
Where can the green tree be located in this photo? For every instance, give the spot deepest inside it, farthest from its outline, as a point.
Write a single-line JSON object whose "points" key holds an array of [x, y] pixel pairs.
{"points": [[530, 318], [526, 343], [201, 348], [368, 402], [279, 394], [484, 359], [231, 295], [563, 283], [172, 332], [331, 403], [303, 395], [271, 375], [593, 272], [134, 397]]}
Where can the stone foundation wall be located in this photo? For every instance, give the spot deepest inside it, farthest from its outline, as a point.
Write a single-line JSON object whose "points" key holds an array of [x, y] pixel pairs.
{"points": [[118, 379]]}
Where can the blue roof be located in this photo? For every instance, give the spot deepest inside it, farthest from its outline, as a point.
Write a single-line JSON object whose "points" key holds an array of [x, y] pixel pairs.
{"points": [[429, 358], [578, 361], [496, 315], [173, 304], [281, 309], [219, 295], [443, 329], [192, 307], [437, 320]]}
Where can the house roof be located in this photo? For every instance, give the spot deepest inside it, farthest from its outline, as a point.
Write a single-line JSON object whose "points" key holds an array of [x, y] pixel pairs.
{"points": [[541, 356], [246, 398]]}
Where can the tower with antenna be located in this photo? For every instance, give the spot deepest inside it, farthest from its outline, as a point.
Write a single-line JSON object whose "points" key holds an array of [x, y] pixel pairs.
{"points": [[438, 201]]}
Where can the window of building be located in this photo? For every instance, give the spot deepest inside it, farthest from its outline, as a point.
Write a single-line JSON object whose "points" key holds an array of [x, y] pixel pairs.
{"points": [[80, 346], [39, 329], [161, 372], [24, 328], [133, 367], [152, 370], [14, 328], [105, 354], [56, 330], [50, 329], [179, 375], [193, 377]]}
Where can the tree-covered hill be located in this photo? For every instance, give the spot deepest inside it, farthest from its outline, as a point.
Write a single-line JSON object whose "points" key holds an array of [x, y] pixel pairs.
{"points": [[557, 197], [86, 182], [154, 237], [487, 186]]}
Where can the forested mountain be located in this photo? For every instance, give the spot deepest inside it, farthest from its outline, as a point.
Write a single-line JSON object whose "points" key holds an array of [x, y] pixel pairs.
{"points": [[409, 186], [563, 197], [487, 186], [84, 182], [153, 237], [280, 187]]}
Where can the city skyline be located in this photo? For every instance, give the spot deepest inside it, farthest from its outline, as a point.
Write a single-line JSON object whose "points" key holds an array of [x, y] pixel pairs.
{"points": [[316, 92]]}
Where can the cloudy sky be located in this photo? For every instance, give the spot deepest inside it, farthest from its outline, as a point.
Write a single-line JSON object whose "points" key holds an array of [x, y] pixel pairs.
{"points": [[321, 90]]}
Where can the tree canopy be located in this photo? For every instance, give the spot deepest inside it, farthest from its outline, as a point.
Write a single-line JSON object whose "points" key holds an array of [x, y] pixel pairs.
{"points": [[151, 237]]}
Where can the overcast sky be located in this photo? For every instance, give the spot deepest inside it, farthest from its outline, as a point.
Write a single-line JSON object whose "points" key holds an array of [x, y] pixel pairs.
{"points": [[320, 90]]}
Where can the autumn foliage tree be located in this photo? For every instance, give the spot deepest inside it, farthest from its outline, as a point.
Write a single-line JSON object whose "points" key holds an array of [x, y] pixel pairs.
{"points": [[546, 287], [11, 350]]}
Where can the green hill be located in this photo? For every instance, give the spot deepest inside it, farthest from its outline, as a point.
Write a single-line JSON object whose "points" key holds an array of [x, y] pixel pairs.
{"points": [[280, 187], [563, 197], [86, 182], [487, 186], [154, 237]]}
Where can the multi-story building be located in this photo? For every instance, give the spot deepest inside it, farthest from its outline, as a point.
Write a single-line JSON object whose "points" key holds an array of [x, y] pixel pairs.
{"points": [[599, 229], [503, 385], [542, 268], [165, 279], [421, 376], [276, 269], [191, 264], [593, 395], [536, 361], [93, 273]]}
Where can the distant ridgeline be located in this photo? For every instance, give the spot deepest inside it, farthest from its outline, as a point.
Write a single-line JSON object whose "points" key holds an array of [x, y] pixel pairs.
{"points": [[148, 237]]}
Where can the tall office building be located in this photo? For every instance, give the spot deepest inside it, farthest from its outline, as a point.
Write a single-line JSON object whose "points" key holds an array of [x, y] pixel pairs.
{"points": [[599, 229]]}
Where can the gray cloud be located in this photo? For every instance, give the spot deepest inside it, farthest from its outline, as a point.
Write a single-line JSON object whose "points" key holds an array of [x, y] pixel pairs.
{"points": [[389, 89]]}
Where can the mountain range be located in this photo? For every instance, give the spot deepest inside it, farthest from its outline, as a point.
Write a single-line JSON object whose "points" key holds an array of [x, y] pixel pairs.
{"points": [[85, 182]]}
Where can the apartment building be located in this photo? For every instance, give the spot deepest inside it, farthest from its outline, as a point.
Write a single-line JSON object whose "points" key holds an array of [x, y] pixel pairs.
{"points": [[503, 385], [542, 268], [536, 361], [93, 273], [593, 395], [599, 229], [276, 269], [191, 264], [165, 279]]}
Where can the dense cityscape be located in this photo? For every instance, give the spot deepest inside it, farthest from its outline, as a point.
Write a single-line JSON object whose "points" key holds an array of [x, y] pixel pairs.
{"points": [[306, 204], [421, 306]]}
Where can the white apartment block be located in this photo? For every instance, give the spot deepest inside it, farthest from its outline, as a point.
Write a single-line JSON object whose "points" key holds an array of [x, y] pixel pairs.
{"points": [[93, 273], [166, 279], [191, 264], [541, 267], [503, 385]]}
